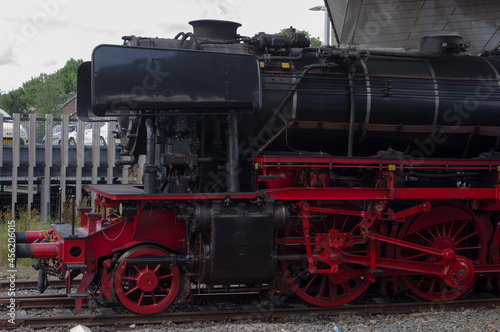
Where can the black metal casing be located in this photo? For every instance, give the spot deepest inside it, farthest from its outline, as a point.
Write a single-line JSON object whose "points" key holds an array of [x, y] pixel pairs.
{"points": [[125, 79]]}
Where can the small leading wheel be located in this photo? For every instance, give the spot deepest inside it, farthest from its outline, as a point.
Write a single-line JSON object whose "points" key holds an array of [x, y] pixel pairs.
{"points": [[146, 288], [322, 289], [447, 226]]}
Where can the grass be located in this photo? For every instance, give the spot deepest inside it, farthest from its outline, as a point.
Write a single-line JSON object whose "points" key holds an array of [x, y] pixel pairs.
{"points": [[23, 223]]}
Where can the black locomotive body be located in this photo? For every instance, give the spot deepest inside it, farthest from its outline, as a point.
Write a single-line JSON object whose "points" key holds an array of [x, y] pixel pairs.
{"points": [[241, 188]]}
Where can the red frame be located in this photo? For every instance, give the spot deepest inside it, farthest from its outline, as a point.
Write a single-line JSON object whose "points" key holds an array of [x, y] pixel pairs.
{"points": [[321, 247], [486, 198], [385, 167]]}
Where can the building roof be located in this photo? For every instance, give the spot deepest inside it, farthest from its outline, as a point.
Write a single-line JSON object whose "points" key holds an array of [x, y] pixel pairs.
{"points": [[402, 23]]}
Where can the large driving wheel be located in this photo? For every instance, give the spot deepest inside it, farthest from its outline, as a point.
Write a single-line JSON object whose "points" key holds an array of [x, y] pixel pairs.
{"points": [[446, 226], [146, 288], [325, 289]]}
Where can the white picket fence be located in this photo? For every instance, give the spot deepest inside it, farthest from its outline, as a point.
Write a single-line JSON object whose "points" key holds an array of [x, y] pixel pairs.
{"points": [[50, 165]]}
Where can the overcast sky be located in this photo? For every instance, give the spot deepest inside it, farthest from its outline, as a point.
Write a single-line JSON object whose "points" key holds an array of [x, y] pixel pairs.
{"points": [[39, 36]]}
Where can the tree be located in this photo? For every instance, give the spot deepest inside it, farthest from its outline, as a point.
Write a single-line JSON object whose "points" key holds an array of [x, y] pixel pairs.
{"points": [[67, 75], [14, 102], [315, 41], [46, 92]]}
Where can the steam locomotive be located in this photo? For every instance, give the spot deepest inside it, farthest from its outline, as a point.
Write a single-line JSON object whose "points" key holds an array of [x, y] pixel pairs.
{"points": [[280, 168]]}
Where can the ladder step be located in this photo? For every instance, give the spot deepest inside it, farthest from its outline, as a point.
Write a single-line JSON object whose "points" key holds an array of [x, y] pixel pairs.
{"points": [[77, 295], [76, 266]]}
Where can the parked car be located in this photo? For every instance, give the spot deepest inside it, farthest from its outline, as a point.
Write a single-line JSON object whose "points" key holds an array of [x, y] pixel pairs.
{"points": [[8, 130], [57, 134], [103, 134]]}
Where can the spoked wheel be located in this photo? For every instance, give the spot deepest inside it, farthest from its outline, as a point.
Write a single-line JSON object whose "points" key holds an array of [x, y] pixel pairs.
{"points": [[322, 289], [449, 226], [146, 288]]}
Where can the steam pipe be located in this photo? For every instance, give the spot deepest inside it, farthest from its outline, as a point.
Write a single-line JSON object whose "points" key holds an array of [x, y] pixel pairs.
{"points": [[352, 110], [232, 154], [415, 55], [174, 260], [149, 168]]}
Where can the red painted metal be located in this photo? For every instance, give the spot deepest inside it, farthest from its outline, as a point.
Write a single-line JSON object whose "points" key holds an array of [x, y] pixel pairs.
{"points": [[32, 236], [331, 256], [338, 211], [125, 233], [446, 253], [385, 167], [145, 288], [449, 225], [82, 288], [45, 250], [315, 177], [424, 207], [487, 268], [72, 251], [495, 245], [446, 193], [322, 288], [280, 178], [333, 239], [444, 269], [138, 195], [327, 193], [106, 280], [377, 162]]}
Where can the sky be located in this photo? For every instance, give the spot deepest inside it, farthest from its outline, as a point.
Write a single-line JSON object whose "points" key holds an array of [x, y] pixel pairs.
{"points": [[39, 36]]}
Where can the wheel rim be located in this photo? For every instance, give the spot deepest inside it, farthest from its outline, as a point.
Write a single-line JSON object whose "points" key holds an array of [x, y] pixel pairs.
{"points": [[146, 288], [326, 290], [452, 226]]}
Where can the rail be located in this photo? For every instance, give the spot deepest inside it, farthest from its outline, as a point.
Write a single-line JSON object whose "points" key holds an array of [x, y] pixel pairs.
{"points": [[110, 317]]}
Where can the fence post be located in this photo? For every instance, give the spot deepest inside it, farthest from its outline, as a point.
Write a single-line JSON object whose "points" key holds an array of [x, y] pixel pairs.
{"points": [[1, 145], [125, 170], [80, 127], [45, 201], [111, 152], [96, 150], [64, 156], [16, 146], [31, 160]]}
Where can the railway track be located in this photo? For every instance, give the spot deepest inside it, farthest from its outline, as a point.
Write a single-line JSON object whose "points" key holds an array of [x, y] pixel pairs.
{"points": [[31, 284], [62, 318], [39, 301]]}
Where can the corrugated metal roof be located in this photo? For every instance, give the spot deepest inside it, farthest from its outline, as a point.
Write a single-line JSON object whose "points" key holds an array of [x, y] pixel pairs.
{"points": [[401, 24]]}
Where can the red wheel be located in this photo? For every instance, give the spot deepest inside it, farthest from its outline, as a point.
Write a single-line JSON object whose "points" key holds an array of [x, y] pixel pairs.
{"points": [[451, 226], [325, 290], [146, 288]]}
